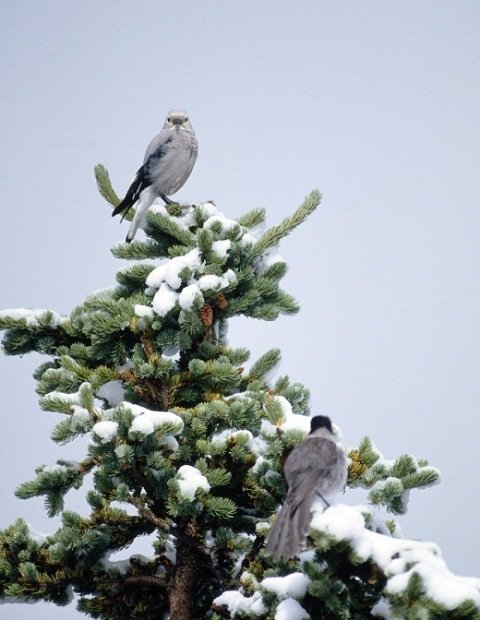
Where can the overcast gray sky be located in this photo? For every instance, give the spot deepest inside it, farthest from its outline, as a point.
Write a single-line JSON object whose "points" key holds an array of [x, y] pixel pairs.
{"points": [[375, 103]]}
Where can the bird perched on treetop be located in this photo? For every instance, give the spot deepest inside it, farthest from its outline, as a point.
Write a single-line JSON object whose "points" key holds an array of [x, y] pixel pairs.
{"points": [[317, 466], [168, 162]]}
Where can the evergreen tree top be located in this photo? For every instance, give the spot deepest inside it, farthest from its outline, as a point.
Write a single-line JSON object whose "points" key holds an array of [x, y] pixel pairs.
{"points": [[187, 443]]}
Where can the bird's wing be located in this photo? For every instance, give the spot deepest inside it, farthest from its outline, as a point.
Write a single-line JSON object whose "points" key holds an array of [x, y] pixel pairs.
{"points": [[139, 183], [155, 150], [157, 146], [306, 464]]}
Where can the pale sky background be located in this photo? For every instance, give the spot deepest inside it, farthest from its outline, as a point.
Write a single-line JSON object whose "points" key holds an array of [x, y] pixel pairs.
{"points": [[375, 103]]}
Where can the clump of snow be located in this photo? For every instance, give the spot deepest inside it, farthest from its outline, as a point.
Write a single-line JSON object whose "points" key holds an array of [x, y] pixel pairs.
{"points": [[381, 610], [146, 421], [66, 397], [249, 239], [164, 300], [221, 248], [292, 421], [294, 585], [106, 430], [237, 603], [142, 311], [33, 316], [189, 480], [170, 442], [186, 220], [256, 445], [216, 283], [80, 416], [54, 469], [267, 428], [188, 295], [169, 271], [210, 282], [229, 433], [267, 260], [290, 609], [209, 208], [225, 223], [125, 564], [399, 558]]}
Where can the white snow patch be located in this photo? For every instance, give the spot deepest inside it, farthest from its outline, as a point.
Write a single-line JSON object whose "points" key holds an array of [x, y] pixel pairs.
{"points": [[249, 239], [80, 416], [147, 422], [292, 421], [188, 295], [143, 311], [169, 271], [294, 585], [209, 208], [32, 316], [225, 223], [189, 480], [267, 428], [290, 609], [216, 283], [257, 445], [381, 610], [267, 260], [221, 248], [123, 566], [237, 602], [106, 430], [164, 300], [399, 558], [185, 220], [66, 397], [222, 437], [170, 442], [212, 282]]}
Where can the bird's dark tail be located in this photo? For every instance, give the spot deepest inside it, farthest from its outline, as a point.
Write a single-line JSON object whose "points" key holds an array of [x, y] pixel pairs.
{"points": [[289, 530], [138, 184]]}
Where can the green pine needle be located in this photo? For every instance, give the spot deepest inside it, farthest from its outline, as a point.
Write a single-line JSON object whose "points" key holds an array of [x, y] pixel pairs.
{"points": [[105, 186], [272, 236]]}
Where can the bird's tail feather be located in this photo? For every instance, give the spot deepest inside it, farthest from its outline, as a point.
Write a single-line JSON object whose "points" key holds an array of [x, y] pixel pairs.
{"points": [[146, 199], [133, 193], [289, 530]]}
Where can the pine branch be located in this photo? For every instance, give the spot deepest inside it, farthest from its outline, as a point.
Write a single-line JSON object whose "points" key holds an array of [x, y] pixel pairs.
{"points": [[161, 223], [272, 236], [139, 250], [252, 218], [105, 186]]}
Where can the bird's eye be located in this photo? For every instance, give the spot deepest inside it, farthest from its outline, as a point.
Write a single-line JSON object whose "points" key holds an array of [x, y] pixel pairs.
{"points": [[169, 120]]}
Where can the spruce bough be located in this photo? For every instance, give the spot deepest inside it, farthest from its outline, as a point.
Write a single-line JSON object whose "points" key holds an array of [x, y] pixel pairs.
{"points": [[187, 446]]}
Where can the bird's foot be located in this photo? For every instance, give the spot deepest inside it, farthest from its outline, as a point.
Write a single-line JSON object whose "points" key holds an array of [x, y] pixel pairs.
{"points": [[166, 199], [327, 505]]}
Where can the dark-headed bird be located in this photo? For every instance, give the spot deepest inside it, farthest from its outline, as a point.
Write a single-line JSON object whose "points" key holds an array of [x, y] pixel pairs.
{"points": [[317, 466]]}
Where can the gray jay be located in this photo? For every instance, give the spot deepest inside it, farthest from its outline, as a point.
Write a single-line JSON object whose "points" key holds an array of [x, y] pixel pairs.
{"points": [[168, 162], [317, 466]]}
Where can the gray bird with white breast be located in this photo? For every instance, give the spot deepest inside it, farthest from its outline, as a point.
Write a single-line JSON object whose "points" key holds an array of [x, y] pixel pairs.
{"points": [[168, 162], [317, 466]]}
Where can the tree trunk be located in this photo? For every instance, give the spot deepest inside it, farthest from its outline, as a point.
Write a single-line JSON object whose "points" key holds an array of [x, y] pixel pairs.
{"points": [[185, 580]]}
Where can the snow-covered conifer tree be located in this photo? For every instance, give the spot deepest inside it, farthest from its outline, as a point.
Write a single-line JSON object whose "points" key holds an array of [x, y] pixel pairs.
{"points": [[186, 443]]}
